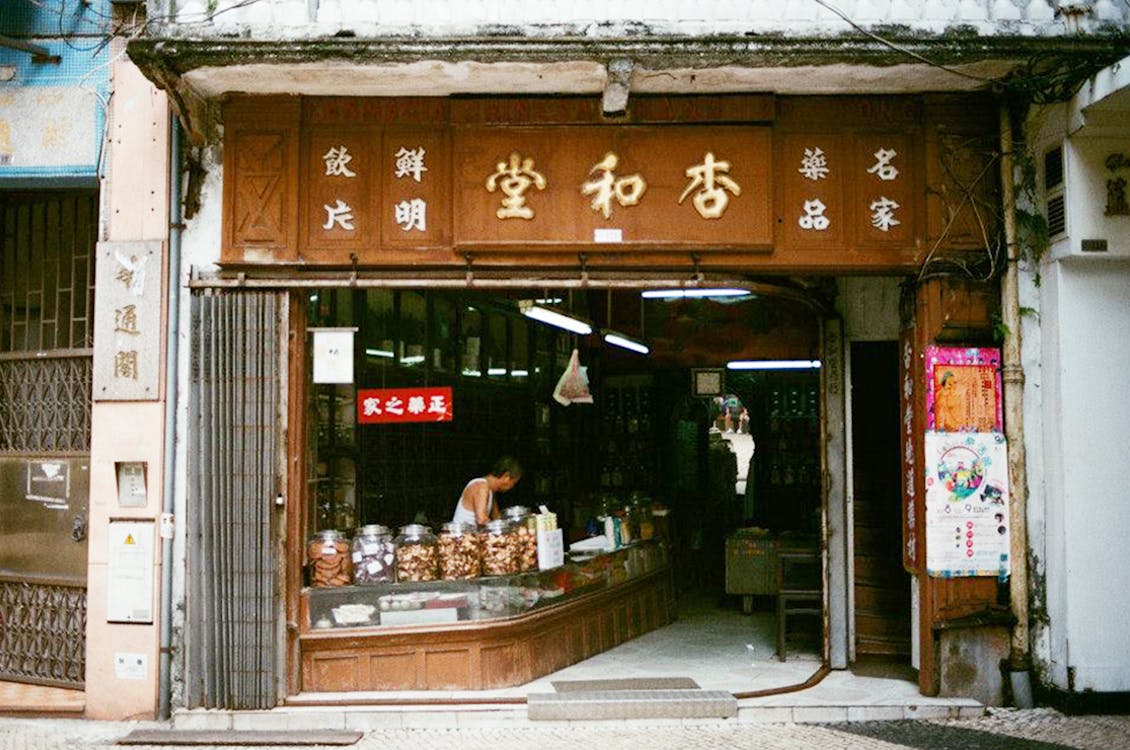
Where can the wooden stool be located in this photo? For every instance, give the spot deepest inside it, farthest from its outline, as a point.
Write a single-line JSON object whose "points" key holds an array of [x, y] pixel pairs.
{"points": [[800, 589]]}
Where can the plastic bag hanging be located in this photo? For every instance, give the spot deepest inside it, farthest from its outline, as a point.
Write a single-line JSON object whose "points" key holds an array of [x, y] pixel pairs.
{"points": [[573, 385]]}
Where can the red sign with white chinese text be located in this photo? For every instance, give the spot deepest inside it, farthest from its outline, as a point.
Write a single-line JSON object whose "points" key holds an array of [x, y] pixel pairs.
{"points": [[395, 405]]}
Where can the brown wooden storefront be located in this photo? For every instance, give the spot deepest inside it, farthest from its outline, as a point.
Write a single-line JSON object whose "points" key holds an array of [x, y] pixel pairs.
{"points": [[466, 190]]}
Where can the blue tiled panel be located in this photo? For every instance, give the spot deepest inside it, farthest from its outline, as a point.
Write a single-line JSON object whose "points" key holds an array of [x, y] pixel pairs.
{"points": [[85, 64], [24, 19]]}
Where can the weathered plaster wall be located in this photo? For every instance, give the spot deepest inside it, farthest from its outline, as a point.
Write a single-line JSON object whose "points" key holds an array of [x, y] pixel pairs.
{"points": [[626, 17], [135, 197]]}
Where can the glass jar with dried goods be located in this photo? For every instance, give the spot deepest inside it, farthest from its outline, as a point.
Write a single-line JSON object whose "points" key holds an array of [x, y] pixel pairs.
{"points": [[328, 554], [525, 527], [417, 553], [459, 555], [374, 555], [500, 548]]}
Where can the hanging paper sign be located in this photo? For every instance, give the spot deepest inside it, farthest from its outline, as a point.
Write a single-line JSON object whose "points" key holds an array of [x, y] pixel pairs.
{"points": [[395, 405], [967, 521], [333, 355], [963, 389]]}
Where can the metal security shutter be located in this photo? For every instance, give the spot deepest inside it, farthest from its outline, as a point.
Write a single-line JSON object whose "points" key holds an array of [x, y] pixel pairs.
{"points": [[234, 599], [47, 241]]}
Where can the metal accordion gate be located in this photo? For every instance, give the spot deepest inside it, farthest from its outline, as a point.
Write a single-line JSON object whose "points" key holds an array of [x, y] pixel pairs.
{"points": [[47, 240], [235, 422]]}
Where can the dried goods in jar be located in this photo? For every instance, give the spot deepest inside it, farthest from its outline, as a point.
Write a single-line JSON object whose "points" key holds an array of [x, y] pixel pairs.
{"points": [[330, 563], [459, 555]]}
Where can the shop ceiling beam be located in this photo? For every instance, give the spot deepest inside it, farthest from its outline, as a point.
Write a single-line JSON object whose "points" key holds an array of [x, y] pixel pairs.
{"points": [[631, 281]]}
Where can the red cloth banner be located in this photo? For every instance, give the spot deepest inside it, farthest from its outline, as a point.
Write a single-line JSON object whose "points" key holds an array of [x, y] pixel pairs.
{"points": [[396, 405]]}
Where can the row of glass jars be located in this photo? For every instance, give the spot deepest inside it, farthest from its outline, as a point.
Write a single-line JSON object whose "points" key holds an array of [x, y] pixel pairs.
{"points": [[459, 552]]}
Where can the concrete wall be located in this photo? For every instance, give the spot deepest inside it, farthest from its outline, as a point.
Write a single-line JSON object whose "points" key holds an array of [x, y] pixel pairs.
{"points": [[135, 201], [614, 17]]}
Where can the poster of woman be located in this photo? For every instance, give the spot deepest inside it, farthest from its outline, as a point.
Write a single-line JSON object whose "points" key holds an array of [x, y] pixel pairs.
{"points": [[963, 389]]}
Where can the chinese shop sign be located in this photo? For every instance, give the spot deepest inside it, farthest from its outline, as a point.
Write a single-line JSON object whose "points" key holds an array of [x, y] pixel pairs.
{"points": [[128, 314], [398, 405], [842, 190], [552, 188], [370, 182]]}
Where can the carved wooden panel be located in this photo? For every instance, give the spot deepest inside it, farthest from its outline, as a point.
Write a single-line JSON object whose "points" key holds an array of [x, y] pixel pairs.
{"points": [[963, 173], [261, 180]]}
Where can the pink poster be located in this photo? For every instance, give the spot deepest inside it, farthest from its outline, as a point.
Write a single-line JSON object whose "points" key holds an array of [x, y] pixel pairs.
{"points": [[963, 389]]}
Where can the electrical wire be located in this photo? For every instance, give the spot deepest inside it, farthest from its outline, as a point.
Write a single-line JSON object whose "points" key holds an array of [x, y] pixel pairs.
{"points": [[904, 50]]}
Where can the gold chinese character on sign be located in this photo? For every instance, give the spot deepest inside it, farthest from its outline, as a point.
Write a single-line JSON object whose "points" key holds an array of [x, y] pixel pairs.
{"points": [[514, 180], [125, 320], [125, 365], [626, 190], [711, 182]]}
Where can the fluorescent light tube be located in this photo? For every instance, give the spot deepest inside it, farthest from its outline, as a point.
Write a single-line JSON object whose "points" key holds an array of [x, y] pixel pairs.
{"points": [[379, 353], [693, 292], [554, 318], [626, 342], [774, 364]]}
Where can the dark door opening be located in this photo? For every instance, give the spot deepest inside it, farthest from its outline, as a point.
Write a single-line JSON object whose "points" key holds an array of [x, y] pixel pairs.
{"points": [[882, 590]]}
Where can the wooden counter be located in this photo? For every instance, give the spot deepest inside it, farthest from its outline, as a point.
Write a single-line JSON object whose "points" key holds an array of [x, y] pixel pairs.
{"points": [[487, 654]]}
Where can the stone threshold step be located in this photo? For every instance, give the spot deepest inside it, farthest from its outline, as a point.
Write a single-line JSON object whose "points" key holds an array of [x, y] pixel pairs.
{"points": [[631, 704]]}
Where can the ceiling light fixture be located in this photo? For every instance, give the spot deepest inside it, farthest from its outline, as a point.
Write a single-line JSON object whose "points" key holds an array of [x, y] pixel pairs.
{"points": [[694, 293], [774, 364], [625, 342], [554, 318]]}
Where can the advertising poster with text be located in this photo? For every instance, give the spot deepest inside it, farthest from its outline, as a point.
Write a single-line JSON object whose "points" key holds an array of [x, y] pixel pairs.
{"points": [[967, 495]]}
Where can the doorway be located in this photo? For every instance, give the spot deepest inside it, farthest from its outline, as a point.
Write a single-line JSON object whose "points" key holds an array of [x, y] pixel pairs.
{"points": [[882, 587]]}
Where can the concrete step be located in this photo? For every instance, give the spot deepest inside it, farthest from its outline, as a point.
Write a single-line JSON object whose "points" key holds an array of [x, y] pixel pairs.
{"points": [[631, 704]]}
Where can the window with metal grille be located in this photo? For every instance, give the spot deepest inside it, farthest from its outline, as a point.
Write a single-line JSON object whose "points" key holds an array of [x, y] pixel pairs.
{"points": [[46, 320], [1055, 200]]}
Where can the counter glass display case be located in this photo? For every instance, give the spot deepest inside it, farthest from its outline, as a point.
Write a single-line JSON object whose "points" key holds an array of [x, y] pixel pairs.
{"points": [[438, 603]]}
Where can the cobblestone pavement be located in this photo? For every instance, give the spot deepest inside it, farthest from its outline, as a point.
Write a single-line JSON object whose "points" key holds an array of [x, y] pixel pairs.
{"points": [[1037, 729]]}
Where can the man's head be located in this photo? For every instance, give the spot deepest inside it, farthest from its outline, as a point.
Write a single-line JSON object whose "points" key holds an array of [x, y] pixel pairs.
{"points": [[506, 472]]}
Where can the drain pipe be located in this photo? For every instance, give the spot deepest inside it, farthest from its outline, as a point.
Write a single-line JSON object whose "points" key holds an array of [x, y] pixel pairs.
{"points": [[1013, 377], [168, 490]]}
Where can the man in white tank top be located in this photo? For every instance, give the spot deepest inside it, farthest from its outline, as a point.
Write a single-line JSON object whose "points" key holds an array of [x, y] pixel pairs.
{"points": [[477, 504]]}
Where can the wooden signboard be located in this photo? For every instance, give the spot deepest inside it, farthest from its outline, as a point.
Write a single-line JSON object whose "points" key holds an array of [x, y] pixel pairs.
{"points": [[810, 183], [662, 187]]}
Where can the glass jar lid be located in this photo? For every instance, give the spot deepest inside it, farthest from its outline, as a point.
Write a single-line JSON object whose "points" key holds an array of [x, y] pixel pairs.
{"points": [[516, 511], [374, 529], [329, 535], [415, 529], [456, 528], [497, 526]]}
